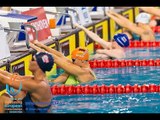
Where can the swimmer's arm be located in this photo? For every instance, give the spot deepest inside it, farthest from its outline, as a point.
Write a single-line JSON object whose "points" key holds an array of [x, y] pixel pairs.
{"points": [[48, 49], [61, 79], [94, 36], [5, 73], [124, 22], [119, 19], [115, 53], [8, 74], [27, 85], [135, 29], [151, 10], [69, 67], [36, 48], [129, 25]]}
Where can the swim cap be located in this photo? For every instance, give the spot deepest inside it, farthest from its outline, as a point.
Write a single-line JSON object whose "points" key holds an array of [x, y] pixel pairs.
{"points": [[45, 61], [143, 18], [80, 53], [122, 39]]}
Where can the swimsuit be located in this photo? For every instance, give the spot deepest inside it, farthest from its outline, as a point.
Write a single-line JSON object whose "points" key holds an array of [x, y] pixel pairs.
{"points": [[71, 80], [28, 106], [136, 37]]}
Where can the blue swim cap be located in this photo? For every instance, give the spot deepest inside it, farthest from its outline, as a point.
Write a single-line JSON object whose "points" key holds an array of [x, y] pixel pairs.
{"points": [[121, 39], [45, 61]]}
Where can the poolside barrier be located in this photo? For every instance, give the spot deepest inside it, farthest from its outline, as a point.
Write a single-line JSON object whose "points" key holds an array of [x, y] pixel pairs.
{"points": [[104, 89]]}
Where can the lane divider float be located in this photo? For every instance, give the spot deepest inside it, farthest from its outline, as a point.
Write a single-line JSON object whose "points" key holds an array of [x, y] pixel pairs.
{"points": [[156, 29], [123, 63], [136, 44], [104, 89]]}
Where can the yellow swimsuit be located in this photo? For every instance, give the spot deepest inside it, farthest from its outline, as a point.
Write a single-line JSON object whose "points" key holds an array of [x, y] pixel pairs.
{"points": [[71, 80]]}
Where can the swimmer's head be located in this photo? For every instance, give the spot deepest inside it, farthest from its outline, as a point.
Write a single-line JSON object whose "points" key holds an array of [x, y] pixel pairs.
{"points": [[44, 60], [143, 18], [80, 54], [121, 39]]}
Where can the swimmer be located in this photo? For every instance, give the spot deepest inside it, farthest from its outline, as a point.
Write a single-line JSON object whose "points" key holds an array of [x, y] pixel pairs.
{"points": [[155, 21], [36, 87], [76, 71], [140, 31], [112, 50]]}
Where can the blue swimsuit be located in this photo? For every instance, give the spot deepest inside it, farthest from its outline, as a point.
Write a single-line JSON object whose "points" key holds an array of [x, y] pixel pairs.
{"points": [[29, 107], [136, 37]]}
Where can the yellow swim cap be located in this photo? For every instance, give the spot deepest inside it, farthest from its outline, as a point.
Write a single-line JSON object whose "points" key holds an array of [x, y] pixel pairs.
{"points": [[80, 53]]}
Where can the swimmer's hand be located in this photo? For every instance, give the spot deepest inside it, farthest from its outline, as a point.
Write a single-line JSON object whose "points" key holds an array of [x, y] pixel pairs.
{"points": [[34, 41], [37, 48], [78, 25], [109, 12], [37, 43]]}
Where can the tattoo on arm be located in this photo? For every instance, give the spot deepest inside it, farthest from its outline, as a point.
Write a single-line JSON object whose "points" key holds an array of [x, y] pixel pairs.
{"points": [[146, 32]]}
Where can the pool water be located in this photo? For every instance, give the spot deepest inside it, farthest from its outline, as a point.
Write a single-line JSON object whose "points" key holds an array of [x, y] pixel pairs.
{"points": [[142, 53], [114, 103], [157, 36], [117, 103]]}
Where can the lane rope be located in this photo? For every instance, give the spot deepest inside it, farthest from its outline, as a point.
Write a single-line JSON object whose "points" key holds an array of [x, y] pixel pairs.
{"points": [[123, 63], [136, 44], [104, 89]]}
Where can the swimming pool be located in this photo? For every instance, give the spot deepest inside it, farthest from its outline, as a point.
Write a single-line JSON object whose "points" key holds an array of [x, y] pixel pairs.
{"points": [[117, 103], [157, 36], [142, 53]]}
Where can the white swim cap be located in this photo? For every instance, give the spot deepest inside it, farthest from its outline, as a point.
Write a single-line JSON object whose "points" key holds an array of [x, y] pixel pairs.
{"points": [[143, 18]]}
